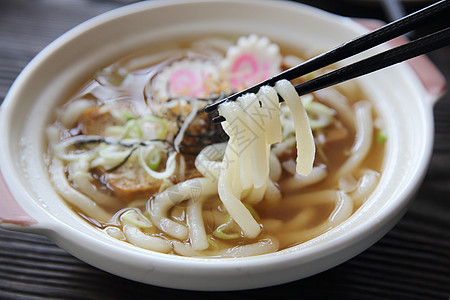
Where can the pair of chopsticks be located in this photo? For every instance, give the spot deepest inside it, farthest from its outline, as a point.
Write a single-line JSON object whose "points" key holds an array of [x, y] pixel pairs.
{"points": [[390, 57]]}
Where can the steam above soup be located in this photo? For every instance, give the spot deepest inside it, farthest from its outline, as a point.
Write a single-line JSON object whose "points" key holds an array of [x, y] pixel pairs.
{"points": [[135, 155]]}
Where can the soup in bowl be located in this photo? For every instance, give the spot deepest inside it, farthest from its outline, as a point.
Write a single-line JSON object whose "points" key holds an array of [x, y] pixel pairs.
{"points": [[135, 154], [110, 153]]}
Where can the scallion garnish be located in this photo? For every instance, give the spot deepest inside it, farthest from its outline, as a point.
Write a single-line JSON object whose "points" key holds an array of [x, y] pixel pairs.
{"points": [[154, 159]]}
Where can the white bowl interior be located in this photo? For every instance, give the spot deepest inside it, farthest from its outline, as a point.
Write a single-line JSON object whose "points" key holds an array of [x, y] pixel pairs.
{"points": [[57, 71]]}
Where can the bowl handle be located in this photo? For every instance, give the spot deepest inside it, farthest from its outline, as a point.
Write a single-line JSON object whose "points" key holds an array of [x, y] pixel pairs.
{"points": [[11, 213], [431, 78]]}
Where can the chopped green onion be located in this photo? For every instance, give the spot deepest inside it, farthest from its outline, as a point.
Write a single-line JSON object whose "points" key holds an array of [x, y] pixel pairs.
{"points": [[382, 136], [115, 130], [212, 243], [154, 159], [319, 108], [170, 165], [320, 122], [220, 231], [162, 132], [102, 146], [146, 214], [114, 77], [320, 116], [137, 219], [132, 130], [127, 115]]}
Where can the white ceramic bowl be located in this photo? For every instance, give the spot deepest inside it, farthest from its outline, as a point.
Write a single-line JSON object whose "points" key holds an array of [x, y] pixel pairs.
{"points": [[28, 202]]}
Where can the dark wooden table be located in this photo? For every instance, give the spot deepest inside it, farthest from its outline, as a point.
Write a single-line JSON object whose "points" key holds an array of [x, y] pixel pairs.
{"points": [[411, 262]]}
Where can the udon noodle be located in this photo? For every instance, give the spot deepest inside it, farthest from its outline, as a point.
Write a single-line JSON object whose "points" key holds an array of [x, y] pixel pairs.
{"points": [[135, 155]]}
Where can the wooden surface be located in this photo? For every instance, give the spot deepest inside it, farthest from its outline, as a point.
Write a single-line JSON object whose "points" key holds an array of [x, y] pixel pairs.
{"points": [[411, 262]]}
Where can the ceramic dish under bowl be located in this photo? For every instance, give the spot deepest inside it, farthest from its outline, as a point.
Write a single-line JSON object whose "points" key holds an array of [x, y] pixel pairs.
{"points": [[29, 203]]}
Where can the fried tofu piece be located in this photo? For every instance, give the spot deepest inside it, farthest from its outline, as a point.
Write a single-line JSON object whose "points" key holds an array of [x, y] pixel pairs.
{"points": [[130, 182], [95, 121]]}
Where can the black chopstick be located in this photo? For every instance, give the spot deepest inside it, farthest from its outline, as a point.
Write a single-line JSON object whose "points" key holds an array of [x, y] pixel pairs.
{"points": [[377, 62], [351, 48]]}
